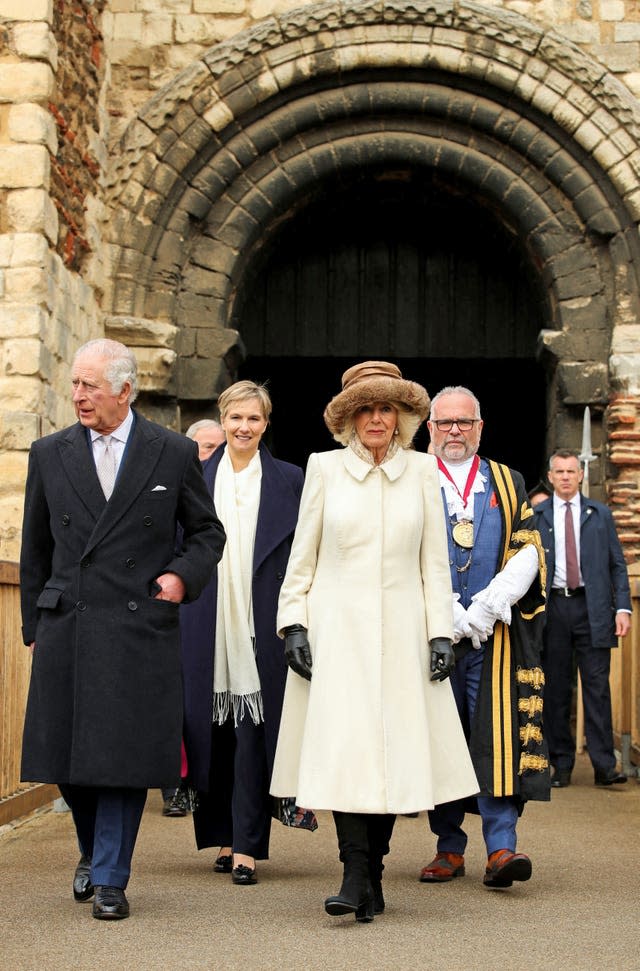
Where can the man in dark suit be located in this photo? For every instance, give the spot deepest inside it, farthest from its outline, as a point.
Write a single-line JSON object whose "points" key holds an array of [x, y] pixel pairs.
{"points": [[101, 581], [588, 608]]}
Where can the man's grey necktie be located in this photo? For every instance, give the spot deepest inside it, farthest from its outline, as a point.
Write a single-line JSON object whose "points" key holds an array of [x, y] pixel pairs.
{"points": [[107, 466], [573, 572]]}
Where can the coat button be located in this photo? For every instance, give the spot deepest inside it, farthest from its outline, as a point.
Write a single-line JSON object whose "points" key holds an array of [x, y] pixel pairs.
{"points": [[147, 520], [81, 605], [66, 520], [132, 605], [280, 576], [85, 563], [130, 562]]}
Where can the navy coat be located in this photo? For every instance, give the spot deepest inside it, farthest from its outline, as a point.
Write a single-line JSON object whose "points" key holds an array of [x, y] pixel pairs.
{"points": [[281, 487], [105, 699], [602, 565]]}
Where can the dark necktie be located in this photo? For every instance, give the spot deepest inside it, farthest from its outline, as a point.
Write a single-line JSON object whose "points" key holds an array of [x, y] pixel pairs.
{"points": [[573, 573]]}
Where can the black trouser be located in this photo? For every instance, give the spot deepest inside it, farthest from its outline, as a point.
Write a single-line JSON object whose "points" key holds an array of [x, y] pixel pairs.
{"points": [[567, 641]]}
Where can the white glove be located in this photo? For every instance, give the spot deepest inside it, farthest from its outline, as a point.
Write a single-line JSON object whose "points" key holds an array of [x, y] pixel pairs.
{"points": [[461, 625], [482, 621]]}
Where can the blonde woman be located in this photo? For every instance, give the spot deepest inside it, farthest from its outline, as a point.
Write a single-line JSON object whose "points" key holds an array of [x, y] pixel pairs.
{"points": [[234, 667]]}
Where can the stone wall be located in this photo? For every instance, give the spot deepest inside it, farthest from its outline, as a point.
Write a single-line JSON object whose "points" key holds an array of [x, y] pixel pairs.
{"points": [[72, 78]]}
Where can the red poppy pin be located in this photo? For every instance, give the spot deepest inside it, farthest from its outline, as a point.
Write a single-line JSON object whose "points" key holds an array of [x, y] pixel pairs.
{"points": [[493, 501]]}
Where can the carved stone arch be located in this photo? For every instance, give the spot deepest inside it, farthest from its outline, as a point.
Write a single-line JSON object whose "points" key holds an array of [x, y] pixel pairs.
{"points": [[244, 137]]}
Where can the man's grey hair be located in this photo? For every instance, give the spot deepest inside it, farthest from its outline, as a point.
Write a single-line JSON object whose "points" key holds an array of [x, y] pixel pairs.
{"points": [[197, 426], [121, 365], [455, 389]]}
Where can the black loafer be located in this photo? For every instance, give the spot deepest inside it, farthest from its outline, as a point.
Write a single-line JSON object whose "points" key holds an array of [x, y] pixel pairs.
{"points": [[82, 886], [609, 778], [224, 864], [561, 778], [110, 903], [243, 875]]}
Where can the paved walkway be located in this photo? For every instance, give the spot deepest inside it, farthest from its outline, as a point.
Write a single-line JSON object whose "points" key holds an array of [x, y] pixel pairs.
{"points": [[579, 912]]}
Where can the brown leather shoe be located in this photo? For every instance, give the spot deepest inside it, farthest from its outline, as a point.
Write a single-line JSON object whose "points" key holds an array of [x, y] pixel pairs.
{"points": [[444, 866], [503, 867]]}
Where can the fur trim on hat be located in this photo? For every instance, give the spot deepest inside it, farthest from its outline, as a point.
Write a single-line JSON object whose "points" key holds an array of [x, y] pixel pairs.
{"points": [[371, 381]]}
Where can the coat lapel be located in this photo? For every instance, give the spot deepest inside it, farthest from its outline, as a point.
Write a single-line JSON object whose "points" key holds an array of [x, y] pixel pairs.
{"points": [[77, 460], [278, 510], [139, 461]]}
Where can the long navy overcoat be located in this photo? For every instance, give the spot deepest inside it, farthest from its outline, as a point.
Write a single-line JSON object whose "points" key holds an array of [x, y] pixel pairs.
{"points": [[105, 705], [280, 491]]}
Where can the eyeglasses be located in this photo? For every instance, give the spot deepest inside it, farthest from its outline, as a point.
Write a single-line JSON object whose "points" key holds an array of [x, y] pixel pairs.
{"points": [[446, 424]]}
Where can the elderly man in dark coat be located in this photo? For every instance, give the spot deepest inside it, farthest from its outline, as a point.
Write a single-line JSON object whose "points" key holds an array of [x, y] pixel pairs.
{"points": [[101, 582]]}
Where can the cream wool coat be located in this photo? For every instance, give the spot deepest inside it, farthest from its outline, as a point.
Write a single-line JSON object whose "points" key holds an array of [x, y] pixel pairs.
{"points": [[368, 576]]}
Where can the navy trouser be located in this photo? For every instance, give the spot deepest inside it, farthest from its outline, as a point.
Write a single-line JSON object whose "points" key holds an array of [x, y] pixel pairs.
{"points": [[236, 811], [107, 822], [499, 814], [567, 641]]}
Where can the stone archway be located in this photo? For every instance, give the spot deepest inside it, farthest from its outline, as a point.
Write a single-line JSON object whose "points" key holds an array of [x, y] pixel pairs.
{"points": [[244, 138]]}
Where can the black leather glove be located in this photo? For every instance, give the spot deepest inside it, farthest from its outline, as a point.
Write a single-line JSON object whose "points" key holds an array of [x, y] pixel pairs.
{"points": [[443, 660], [297, 650]]}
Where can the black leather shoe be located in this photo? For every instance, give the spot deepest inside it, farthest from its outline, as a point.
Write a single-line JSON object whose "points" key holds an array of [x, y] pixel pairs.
{"points": [[609, 778], [173, 806], [561, 778], [110, 903], [223, 864], [243, 875], [82, 886]]}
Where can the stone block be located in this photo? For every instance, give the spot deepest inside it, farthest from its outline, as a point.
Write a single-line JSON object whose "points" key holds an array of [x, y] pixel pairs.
{"points": [[625, 32], [612, 9], [32, 123], [165, 413], [196, 29], [155, 369], [22, 321], [26, 10], [23, 356], [26, 284], [13, 474], [618, 57], [200, 379], [24, 166], [26, 81], [126, 26], [21, 393], [625, 372], [32, 211], [583, 383], [220, 6], [36, 40], [625, 339], [28, 249], [141, 332], [18, 429], [157, 30]]}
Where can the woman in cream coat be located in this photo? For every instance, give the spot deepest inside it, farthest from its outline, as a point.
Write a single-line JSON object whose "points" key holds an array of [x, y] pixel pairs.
{"points": [[369, 726]]}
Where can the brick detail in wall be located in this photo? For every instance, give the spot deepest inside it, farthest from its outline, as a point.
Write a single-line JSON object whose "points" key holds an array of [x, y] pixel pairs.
{"points": [[623, 427], [74, 170]]}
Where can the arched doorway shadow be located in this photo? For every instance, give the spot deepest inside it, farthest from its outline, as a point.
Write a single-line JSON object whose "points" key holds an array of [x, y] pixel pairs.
{"points": [[396, 264], [511, 393]]}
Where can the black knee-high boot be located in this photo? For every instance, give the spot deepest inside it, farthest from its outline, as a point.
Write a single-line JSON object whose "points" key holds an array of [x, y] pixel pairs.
{"points": [[380, 830], [355, 895]]}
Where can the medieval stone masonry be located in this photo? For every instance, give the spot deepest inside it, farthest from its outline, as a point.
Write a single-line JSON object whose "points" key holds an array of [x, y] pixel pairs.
{"points": [[151, 149]]}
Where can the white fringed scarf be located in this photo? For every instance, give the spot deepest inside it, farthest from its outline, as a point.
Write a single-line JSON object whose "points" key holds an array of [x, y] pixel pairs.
{"points": [[236, 685]]}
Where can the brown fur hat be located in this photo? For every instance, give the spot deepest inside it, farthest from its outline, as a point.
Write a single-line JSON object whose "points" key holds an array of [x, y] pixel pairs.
{"points": [[372, 381]]}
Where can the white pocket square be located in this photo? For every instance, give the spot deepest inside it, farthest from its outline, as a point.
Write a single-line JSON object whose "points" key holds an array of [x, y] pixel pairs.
{"points": [[159, 488]]}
